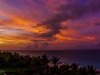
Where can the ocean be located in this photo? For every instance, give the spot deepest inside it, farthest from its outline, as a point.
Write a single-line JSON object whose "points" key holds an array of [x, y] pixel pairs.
{"points": [[82, 57]]}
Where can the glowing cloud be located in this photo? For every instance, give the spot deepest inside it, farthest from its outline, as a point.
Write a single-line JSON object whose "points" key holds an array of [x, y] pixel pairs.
{"points": [[48, 21]]}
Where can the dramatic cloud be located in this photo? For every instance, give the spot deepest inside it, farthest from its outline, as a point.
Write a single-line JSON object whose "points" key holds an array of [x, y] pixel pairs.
{"points": [[35, 23], [66, 12]]}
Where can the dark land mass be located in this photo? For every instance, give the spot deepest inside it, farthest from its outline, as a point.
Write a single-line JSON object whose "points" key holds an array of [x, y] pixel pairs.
{"points": [[16, 64]]}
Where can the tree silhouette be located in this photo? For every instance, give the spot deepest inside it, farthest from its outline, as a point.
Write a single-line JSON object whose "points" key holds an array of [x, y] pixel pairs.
{"points": [[30, 65], [55, 60]]}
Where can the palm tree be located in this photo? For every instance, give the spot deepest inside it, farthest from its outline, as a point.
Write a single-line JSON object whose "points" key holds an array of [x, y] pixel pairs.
{"points": [[74, 69], [82, 71], [55, 60], [91, 70], [64, 70], [45, 60]]}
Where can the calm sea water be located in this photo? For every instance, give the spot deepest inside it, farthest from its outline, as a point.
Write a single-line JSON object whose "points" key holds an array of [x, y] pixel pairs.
{"points": [[84, 57]]}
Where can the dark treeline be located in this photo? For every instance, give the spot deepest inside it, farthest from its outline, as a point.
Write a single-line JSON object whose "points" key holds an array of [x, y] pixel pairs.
{"points": [[41, 65]]}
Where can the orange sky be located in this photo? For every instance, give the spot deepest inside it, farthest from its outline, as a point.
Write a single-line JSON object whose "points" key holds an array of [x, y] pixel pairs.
{"points": [[48, 24]]}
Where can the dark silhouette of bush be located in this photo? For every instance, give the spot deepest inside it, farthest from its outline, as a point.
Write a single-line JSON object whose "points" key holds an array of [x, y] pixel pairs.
{"points": [[30, 65]]}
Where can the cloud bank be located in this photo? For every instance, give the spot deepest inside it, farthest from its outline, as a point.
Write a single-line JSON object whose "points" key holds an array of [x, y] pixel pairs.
{"points": [[68, 11]]}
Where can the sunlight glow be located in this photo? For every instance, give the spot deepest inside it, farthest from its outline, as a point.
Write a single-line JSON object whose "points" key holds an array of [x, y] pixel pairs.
{"points": [[1, 42]]}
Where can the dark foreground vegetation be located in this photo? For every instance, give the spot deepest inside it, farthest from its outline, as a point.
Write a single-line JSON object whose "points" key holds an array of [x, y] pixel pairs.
{"points": [[16, 64]]}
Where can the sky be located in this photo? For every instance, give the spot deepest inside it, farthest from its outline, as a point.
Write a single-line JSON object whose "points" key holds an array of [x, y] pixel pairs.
{"points": [[49, 24]]}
